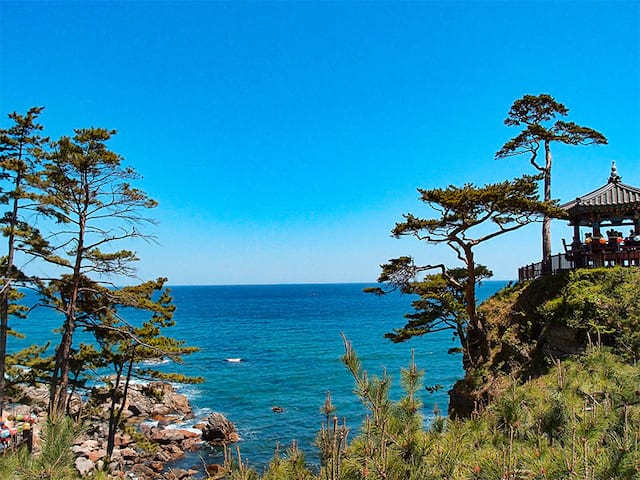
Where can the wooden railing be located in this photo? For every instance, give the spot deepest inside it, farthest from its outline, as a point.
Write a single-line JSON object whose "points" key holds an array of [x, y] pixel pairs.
{"points": [[582, 258], [558, 263]]}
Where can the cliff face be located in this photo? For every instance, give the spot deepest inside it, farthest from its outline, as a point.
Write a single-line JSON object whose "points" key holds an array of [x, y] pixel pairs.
{"points": [[535, 324]]}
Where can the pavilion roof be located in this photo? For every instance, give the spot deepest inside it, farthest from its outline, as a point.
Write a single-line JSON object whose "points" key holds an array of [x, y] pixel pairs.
{"points": [[611, 197]]}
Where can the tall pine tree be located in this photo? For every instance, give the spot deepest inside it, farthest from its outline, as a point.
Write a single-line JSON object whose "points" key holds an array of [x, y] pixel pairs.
{"points": [[88, 191], [21, 156], [536, 113]]}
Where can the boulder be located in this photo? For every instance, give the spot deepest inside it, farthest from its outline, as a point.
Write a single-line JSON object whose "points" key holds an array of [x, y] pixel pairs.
{"points": [[218, 430], [157, 465], [176, 474], [129, 453], [170, 435], [215, 471], [81, 450], [140, 469], [180, 403], [96, 455], [122, 439], [84, 465], [160, 409]]}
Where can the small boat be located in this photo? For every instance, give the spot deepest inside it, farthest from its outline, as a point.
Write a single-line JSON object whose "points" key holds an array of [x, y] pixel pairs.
{"points": [[233, 360]]}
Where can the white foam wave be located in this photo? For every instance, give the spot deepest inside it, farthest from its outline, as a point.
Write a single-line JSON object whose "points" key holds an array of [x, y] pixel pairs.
{"points": [[157, 361]]}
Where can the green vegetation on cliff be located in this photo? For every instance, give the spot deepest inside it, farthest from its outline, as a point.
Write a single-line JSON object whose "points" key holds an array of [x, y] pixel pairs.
{"points": [[557, 398], [534, 324]]}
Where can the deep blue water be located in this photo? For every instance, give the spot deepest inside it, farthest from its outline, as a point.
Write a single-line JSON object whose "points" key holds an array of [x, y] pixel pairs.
{"points": [[289, 340]]}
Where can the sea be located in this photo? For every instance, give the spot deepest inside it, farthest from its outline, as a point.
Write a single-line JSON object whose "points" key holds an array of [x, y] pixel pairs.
{"points": [[266, 346]]}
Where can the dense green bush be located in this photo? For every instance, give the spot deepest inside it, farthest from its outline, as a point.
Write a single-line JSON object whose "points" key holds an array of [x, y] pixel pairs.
{"points": [[603, 304]]}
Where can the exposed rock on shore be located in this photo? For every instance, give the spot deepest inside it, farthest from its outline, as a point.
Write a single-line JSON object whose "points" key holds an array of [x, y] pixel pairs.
{"points": [[219, 430], [151, 439]]}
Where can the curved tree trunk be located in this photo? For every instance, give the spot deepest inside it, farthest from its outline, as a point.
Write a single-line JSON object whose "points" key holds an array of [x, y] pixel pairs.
{"points": [[476, 337]]}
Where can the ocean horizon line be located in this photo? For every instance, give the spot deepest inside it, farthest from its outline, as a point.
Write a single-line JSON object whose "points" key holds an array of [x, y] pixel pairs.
{"points": [[293, 284]]}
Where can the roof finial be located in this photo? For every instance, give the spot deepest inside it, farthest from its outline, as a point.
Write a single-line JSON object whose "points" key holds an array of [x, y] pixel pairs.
{"points": [[614, 178]]}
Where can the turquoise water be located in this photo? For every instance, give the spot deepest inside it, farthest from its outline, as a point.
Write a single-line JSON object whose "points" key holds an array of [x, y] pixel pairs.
{"points": [[288, 338]]}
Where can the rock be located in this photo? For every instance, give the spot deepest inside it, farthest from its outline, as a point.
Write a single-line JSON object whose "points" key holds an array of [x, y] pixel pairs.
{"points": [[134, 409], [84, 465], [169, 435], [166, 420], [215, 471], [122, 439], [162, 456], [192, 443], [160, 409], [91, 444], [176, 474], [175, 451], [81, 450], [128, 453], [180, 403], [36, 396], [219, 430], [96, 455], [140, 469]]}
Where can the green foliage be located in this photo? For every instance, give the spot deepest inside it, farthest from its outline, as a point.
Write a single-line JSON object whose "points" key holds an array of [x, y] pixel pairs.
{"points": [[441, 304], [390, 443], [576, 421], [85, 188], [604, 304], [290, 467], [123, 346], [21, 153], [88, 191], [507, 205], [332, 442], [466, 217], [55, 461], [535, 113], [580, 420]]}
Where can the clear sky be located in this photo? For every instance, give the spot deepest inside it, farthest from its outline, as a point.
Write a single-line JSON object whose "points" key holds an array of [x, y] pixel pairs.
{"points": [[283, 140]]}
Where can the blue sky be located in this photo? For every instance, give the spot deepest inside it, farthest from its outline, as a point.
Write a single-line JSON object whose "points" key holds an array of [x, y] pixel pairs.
{"points": [[283, 140]]}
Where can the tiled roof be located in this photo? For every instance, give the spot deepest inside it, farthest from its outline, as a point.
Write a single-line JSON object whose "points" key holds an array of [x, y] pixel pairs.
{"points": [[613, 194]]}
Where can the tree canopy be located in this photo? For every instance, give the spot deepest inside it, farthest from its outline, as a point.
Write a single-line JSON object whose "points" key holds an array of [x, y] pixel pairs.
{"points": [[465, 217], [538, 114], [83, 205]]}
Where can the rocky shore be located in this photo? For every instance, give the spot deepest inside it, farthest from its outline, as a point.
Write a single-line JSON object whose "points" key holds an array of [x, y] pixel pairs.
{"points": [[154, 434]]}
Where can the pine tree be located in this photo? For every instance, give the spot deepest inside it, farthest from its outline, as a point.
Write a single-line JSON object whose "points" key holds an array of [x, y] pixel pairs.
{"points": [[21, 156], [535, 112], [124, 346], [468, 216], [88, 192]]}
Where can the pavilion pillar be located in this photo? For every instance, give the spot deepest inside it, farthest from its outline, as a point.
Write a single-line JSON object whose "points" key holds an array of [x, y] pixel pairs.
{"points": [[576, 234], [596, 227]]}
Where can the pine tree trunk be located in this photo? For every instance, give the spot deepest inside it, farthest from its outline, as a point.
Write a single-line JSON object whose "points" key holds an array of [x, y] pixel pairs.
{"points": [[477, 344], [546, 221], [6, 289], [60, 380]]}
